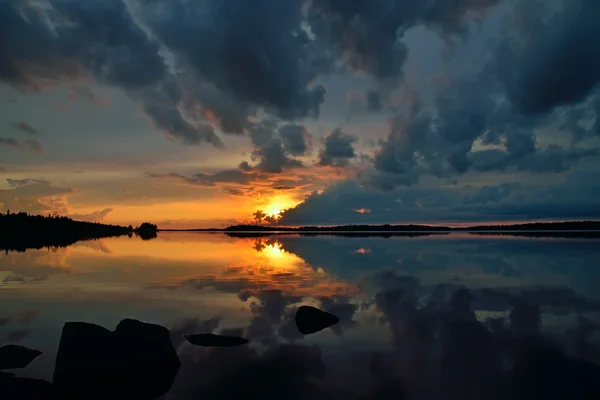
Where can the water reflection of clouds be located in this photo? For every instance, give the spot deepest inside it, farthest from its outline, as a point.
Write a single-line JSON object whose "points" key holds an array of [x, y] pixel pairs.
{"points": [[413, 310], [33, 266]]}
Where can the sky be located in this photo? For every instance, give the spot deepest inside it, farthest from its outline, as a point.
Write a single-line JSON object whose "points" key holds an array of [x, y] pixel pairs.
{"points": [[199, 113]]}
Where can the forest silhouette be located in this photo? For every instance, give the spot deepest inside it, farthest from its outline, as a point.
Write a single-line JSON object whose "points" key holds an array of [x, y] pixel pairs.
{"points": [[22, 231]]}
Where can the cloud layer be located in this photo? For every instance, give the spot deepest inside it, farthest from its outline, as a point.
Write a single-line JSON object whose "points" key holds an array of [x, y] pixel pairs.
{"points": [[513, 91]]}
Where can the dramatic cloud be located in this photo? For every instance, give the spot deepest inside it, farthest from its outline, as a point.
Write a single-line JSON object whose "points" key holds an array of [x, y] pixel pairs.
{"points": [[556, 63], [497, 106], [257, 51], [338, 149], [509, 201], [195, 66], [294, 139], [472, 89], [236, 176], [367, 36], [275, 145]]}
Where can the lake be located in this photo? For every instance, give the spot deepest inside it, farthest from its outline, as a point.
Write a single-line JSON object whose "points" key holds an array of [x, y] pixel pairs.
{"points": [[395, 297]]}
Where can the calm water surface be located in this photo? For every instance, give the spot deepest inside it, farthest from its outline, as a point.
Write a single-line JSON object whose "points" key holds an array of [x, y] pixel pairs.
{"points": [[393, 296]]}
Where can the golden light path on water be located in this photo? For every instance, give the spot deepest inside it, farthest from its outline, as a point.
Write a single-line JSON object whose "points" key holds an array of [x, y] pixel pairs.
{"points": [[177, 261]]}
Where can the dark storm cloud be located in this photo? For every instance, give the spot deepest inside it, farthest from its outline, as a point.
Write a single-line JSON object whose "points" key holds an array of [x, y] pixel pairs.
{"points": [[227, 70], [237, 176], [367, 35], [558, 62], [442, 144], [255, 50], [274, 146], [294, 138], [338, 148], [224, 61], [273, 157], [199, 67], [573, 198], [96, 38], [502, 104], [24, 127]]}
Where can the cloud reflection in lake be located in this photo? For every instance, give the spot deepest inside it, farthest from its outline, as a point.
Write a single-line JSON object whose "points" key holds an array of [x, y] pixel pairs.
{"points": [[403, 303]]}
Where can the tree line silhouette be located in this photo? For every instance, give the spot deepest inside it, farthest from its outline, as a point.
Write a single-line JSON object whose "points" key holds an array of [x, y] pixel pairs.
{"points": [[22, 231], [341, 228], [525, 227]]}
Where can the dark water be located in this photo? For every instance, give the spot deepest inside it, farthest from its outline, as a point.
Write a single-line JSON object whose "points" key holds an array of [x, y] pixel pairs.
{"points": [[407, 321]]}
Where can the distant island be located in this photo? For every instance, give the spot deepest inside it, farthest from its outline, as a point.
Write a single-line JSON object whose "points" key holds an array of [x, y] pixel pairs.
{"points": [[22, 231], [574, 226]]}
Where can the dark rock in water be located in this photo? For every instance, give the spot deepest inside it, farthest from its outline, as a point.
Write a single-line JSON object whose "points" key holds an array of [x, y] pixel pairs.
{"points": [[212, 340], [136, 361], [12, 356], [310, 320], [12, 388]]}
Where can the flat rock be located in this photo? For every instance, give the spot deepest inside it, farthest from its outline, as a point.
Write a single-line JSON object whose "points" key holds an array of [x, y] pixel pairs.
{"points": [[212, 340], [311, 320], [13, 356]]}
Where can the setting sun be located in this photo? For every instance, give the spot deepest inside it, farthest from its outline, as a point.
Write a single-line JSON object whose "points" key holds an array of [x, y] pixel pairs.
{"points": [[278, 205], [273, 211]]}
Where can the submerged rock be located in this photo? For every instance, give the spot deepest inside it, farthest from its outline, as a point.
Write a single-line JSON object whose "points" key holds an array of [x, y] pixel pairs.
{"points": [[13, 356], [212, 340], [310, 320], [135, 361]]}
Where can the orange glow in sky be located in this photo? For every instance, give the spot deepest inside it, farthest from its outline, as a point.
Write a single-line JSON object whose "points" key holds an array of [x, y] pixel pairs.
{"points": [[278, 204]]}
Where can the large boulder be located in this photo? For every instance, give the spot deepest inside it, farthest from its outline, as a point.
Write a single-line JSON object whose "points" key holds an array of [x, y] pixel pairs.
{"points": [[135, 361]]}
